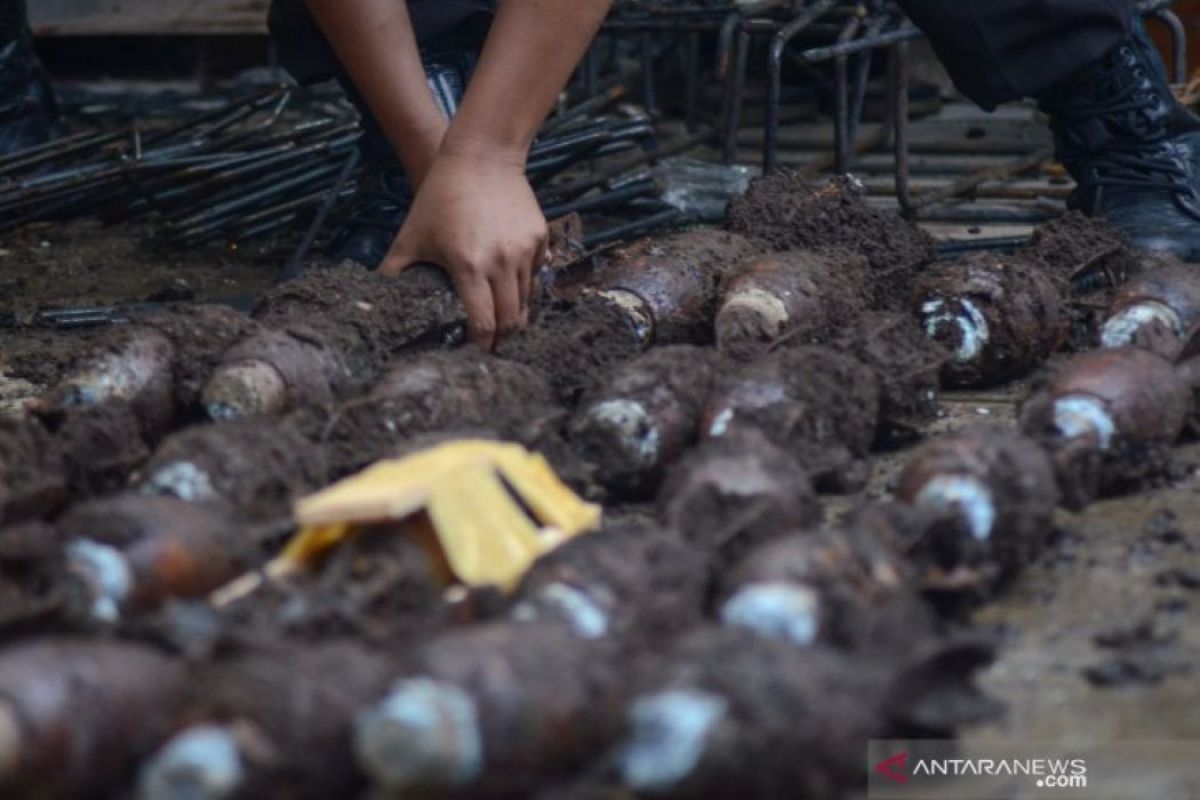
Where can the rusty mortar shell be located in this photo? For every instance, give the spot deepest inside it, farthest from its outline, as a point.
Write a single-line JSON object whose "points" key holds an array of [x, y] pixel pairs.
{"points": [[672, 281], [998, 488], [1168, 297], [998, 318], [137, 370], [644, 417], [270, 373], [801, 293], [75, 714], [440, 729], [1108, 397], [135, 551]]}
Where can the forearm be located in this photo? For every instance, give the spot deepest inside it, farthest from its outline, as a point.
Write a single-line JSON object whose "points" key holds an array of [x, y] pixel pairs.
{"points": [[375, 42], [531, 51]]}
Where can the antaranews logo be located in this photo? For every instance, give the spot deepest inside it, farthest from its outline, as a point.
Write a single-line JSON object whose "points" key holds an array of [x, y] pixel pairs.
{"points": [[894, 768], [911, 770]]}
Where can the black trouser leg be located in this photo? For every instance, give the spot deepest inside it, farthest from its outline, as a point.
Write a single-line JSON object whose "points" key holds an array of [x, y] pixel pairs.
{"points": [[1002, 50]]}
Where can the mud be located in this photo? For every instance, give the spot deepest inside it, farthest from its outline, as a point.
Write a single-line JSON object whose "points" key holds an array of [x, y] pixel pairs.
{"points": [[908, 364], [33, 472], [575, 343], [429, 393], [794, 295], [998, 316], [102, 447], [633, 583], [788, 214], [990, 495], [361, 315], [820, 404], [1092, 260], [734, 492], [88, 264], [643, 416], [675, 278], [380, 587], [256, 467]]}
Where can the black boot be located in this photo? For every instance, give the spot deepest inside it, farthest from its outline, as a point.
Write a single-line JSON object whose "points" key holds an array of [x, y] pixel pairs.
{"points": [[384, 195], [27, 106], [1132, 148]]}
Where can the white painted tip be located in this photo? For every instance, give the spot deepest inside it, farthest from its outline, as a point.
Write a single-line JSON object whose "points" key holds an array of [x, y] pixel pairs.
{"points": [[423, 734], [106, 573], [560, 601], [669, 733], [963, 314], [1121, 328], [630, 427], [201, 763], [784, 611], [1078, 415], [966, 496]]}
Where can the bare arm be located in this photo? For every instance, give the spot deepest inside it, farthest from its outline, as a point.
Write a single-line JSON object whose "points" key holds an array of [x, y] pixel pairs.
{"points": [[476, 215], [375, 42]]}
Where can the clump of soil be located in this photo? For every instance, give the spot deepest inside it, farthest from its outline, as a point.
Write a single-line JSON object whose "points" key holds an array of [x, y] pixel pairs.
{"points": [[1109, 417], [381, 586], [431, 392], [998, 316], [642, 417], [102, 447], [200, 335], [361, 314], [1095, 258], [575, 344], [634, 583], [734, 492], [1075, 246], [787, 213], [30, 571], [33, 471], [907, 362], [797, 294], [258, 467], [820, 404], [676, 277], [990, 495]]}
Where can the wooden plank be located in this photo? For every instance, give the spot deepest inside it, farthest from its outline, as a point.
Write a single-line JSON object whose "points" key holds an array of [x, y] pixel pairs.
{"points": [[148, 17]]}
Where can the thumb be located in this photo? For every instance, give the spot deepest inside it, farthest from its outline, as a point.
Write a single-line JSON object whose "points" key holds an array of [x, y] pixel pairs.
{"points": [[400, 257]]}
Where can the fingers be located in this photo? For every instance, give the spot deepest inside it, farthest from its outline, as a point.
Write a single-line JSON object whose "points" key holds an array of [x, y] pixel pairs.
{"points": [[399, 257], [506, 291], [475, 292]]}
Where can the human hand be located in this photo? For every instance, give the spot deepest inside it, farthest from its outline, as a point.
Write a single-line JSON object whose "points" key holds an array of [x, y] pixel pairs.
{"points": [[476, 216]]}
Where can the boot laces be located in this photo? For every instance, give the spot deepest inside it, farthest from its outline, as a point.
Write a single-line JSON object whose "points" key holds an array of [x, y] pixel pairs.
{"points": [[1140, 155]]}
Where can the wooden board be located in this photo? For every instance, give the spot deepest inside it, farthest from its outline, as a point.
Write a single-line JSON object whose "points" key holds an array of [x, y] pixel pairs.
{"points": [[147, 17]]}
